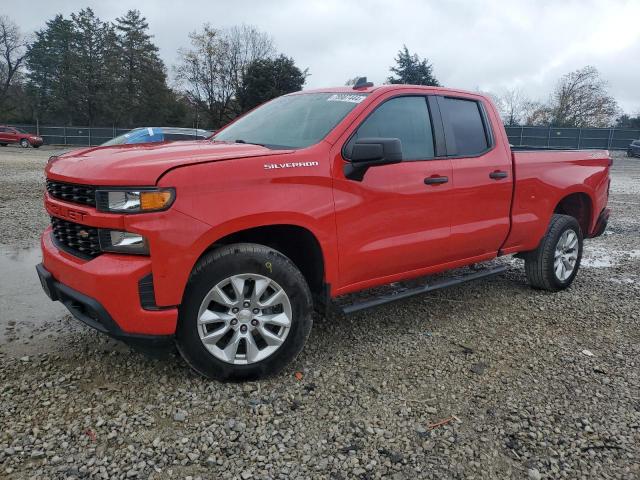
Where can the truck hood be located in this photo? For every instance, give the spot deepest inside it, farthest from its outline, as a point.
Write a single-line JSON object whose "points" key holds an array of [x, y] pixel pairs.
{"points": [[144, 164]]}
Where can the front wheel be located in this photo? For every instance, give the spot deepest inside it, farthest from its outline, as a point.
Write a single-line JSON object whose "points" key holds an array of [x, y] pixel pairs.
{"points": [[555, 263], [24, 143], [246, 313]]}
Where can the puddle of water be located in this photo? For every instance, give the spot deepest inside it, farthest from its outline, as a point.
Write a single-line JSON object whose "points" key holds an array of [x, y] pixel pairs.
{"points": [[598, 257], [603, 262], [623, 281], [25, 311]]}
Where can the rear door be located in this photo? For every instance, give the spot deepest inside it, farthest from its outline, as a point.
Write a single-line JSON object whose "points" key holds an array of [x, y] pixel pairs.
{"points": [[14, 135], [482, 177], [392, 221], [4, 135]]}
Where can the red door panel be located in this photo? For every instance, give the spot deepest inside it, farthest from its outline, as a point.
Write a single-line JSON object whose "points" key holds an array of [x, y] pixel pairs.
{"points": [[482, 177], [480, 204], [392, 222]]}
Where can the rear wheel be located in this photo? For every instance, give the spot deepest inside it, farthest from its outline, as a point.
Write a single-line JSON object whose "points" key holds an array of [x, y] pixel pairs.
{"points": [[24, 143], [3, 144], [246, 313], [555, 263]]}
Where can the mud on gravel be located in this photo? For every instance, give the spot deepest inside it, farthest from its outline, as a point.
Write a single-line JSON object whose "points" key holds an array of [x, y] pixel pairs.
{"points": [[485, 380]]}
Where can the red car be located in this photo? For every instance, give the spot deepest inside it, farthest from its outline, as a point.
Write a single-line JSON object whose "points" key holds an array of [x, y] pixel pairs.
{"points": [[15, 135], [226, 246]]}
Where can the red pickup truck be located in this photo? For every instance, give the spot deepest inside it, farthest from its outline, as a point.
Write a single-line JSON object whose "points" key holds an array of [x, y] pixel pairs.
{"points": [[226, 246]]}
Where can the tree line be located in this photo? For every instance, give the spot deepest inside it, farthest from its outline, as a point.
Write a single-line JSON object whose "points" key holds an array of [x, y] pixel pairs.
{"points": [[82, 70], [580, 99]]}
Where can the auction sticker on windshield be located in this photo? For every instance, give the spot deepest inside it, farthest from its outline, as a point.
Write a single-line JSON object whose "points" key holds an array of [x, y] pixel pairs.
{"points": [[346, 97]]}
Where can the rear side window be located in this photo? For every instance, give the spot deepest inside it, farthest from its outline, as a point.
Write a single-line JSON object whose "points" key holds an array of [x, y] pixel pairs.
{"points": [[464, 118], [405, 118], [172, 137]]}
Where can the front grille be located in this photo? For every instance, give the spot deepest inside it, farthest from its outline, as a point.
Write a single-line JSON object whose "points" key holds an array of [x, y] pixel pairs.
{"points": [[82, 194], [79, 240]]}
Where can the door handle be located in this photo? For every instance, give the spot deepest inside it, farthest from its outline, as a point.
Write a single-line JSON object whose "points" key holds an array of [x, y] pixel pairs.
{"points": [[498, 174], [435, 180]]}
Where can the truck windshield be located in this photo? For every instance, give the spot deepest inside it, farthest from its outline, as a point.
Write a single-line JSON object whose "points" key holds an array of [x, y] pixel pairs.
{"points": [[293, 121]]}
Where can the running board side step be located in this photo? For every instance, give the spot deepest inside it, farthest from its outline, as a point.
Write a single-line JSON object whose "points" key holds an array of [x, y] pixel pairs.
{"points": [[410, 292]]}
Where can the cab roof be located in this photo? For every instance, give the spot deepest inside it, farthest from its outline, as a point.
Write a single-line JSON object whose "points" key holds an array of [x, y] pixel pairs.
{"points": [[387, 87]]}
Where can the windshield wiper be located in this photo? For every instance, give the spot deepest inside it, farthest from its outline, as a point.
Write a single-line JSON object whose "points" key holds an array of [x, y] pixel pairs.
{"points": [[265, 145], [239, 140]]}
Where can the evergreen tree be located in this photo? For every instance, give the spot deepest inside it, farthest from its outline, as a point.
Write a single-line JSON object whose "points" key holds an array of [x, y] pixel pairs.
{"points": [[50, 78], [412, 70], [90, 53], [143, 87], [86, 71], [269, 78], [627, 121]]}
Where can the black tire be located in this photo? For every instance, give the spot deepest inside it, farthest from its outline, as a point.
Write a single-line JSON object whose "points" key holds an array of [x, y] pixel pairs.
{"points": [[35, 146], [539, 264], [236, 259], [3, 144], [24, 143]]}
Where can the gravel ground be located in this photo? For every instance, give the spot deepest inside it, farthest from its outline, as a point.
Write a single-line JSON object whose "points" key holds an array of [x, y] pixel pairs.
{"points": [[525, 384]]}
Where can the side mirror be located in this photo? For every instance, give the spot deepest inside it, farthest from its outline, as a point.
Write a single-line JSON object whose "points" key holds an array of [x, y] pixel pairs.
{"points": [[372, 152]]}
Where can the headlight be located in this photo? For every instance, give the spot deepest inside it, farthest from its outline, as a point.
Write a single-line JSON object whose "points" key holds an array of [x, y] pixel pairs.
{"points": [[134, 200], [123, 242]]}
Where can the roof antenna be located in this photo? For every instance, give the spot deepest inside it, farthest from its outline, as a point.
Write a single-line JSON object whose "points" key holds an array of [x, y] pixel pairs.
{"points": [[361, 82]]}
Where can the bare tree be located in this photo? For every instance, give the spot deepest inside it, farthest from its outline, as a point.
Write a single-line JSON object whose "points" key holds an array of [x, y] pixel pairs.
{"points": [[211, 71], [13, 50], [513, 106], [581, 99], [538, 114]]}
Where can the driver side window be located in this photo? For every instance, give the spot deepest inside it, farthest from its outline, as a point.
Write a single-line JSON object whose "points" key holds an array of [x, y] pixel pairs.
{"points": [[405, 118]]}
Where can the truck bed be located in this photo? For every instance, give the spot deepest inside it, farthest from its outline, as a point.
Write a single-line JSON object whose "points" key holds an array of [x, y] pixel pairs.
{"points": [[543, 178]]}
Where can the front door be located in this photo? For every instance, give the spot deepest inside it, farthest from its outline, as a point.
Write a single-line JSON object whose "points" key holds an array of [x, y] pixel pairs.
{"points": [[396, 219]]}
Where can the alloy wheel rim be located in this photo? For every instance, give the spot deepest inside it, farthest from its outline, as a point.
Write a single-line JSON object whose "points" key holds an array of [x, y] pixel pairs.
{"points": [[244, 319], [566, 255]]}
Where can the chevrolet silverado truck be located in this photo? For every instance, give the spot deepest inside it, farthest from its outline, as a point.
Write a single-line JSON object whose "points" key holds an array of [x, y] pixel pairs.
{"points": [[225, 247]]}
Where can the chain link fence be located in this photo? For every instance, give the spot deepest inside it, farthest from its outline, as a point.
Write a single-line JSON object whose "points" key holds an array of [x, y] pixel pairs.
{"points": [[551, 137], [75, 136], [535, 137]]}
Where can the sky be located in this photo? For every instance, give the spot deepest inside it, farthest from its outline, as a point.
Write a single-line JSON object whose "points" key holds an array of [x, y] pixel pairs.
{"points": [[475, 45]]}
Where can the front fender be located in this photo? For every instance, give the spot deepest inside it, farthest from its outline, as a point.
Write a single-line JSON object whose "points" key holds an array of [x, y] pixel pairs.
{"points": [[236, 195]]}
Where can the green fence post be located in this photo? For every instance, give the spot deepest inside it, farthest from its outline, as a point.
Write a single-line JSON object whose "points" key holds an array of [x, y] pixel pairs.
{"points": [[579, 137]]}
